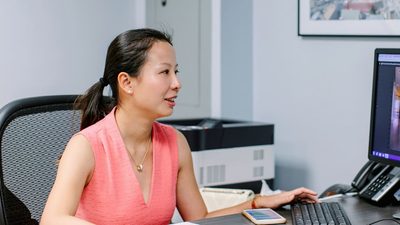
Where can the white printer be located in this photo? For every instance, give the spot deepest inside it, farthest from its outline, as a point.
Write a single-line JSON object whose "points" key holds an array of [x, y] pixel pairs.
{"points": [[229, 153]]}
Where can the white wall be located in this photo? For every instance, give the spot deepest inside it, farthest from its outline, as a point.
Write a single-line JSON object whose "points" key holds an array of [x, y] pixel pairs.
{"points": [[317, 92], [216, 58], [236, 59], [50, 47]]}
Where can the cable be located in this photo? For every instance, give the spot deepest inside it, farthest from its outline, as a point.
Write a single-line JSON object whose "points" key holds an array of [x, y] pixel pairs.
{"points": [[378, 221]]}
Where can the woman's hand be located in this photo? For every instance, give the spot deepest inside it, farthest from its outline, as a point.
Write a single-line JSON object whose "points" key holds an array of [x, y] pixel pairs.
{"points": [[277, 200]]}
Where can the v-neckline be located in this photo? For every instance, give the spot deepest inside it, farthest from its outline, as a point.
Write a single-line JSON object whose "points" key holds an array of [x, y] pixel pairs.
{"points": [[135, 177], [132, 174]]}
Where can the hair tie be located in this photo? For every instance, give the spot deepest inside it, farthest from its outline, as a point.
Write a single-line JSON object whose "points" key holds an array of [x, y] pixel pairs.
{"points": [[103, 82]]}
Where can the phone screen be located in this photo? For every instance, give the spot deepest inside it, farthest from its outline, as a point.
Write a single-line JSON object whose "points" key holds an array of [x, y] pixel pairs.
{"points": [[263, 214]]}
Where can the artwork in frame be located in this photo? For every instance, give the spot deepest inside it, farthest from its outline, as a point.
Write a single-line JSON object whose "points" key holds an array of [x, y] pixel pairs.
{"points": [[349, 18]]}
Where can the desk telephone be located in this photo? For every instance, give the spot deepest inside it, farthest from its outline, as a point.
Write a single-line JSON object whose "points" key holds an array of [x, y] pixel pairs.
{"points": [[378, 183]]}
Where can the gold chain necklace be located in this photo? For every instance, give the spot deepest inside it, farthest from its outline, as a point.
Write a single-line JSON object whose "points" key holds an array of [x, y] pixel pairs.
{"points": [[140, 167]]}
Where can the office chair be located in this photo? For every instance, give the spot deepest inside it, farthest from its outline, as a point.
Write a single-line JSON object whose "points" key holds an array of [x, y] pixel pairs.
{"points": [[33, 134]]}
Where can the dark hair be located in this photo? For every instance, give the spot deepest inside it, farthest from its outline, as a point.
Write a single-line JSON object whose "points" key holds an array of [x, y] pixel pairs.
{"points": [[126, 53]]}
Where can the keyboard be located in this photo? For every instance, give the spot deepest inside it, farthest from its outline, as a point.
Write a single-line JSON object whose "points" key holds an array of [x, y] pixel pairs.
{"points": [[325, 213]]}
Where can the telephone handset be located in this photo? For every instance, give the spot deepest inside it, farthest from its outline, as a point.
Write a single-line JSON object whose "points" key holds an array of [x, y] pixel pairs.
{"points": [[377, 183], [366, 174]]}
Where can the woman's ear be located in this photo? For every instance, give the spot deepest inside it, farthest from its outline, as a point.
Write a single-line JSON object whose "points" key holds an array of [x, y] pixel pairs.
{"points": [[125, 82]]}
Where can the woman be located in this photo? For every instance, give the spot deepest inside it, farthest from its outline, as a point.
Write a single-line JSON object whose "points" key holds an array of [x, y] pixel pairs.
{"points": [[123, 167]]}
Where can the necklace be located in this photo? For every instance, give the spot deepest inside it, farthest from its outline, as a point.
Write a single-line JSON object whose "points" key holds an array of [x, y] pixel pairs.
{"points": [[140, 167]]}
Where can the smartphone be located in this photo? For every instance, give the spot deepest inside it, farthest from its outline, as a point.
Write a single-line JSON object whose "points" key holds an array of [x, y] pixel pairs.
{"points": [[263, 216]]}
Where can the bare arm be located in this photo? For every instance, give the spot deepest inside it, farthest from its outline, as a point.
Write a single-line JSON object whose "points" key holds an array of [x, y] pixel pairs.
{"points": [[270, 201], [189, 201], [192, 207], [75, 168]]}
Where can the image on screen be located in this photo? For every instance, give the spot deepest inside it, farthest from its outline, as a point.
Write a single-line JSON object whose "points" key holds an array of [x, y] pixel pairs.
{"points": [[394, 126]]}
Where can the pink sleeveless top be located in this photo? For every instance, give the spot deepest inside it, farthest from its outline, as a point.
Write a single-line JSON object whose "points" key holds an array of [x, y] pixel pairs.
{"points": [[113, 195]]}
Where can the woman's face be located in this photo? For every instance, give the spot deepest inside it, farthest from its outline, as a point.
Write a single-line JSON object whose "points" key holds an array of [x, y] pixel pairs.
{"points": [[157, 86]]}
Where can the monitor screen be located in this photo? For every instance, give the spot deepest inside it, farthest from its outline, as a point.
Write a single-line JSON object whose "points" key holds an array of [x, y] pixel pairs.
{"points": [[384, 144]]}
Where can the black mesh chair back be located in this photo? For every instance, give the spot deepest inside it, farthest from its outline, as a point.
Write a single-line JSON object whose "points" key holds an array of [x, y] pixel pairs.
{"points": [[33, 135]]}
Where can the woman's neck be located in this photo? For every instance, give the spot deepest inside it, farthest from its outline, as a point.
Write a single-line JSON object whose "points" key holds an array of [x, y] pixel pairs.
{"points": [[134, 129]]}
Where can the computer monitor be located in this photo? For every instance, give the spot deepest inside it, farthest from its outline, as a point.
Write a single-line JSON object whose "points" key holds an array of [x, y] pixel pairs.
{"points": [[384, 144]]}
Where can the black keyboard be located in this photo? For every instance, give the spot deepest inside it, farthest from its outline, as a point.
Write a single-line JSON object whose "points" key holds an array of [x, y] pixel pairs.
{"points": [[325, 213]]}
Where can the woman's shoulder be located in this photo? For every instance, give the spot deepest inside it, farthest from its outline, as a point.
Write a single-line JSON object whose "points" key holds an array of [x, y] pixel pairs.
{"points": [[169, 131], [162, 127], [95, 128], [161, 124]]}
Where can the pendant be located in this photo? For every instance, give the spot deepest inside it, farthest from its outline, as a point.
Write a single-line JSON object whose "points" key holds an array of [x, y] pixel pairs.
{"points": [[139, 168]]}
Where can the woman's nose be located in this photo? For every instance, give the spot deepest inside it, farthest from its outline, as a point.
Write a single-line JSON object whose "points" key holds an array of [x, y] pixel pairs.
{"points": [[176, 84]]}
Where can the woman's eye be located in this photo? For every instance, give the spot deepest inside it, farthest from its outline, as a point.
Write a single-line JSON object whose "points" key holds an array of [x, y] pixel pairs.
{"points": [[165, 72], [176, 71]]}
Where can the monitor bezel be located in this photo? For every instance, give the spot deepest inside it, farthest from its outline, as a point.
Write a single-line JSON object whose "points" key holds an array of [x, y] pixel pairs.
{"points": [[371, 157]]}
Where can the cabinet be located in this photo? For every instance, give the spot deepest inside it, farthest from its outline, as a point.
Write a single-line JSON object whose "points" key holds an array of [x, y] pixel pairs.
{"points": [[189, 22]]}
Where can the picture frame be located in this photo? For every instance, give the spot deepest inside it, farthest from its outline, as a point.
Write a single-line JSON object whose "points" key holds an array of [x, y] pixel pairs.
{"points": [[369, 18]]}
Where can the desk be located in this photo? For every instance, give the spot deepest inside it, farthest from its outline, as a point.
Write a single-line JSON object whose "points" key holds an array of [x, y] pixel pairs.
{"points": [[358, 211]]}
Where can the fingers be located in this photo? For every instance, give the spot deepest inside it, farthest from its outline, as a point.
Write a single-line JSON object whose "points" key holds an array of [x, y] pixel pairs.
{"points": [[307, 198], [305, 190], [305, 195], [300, 194]]}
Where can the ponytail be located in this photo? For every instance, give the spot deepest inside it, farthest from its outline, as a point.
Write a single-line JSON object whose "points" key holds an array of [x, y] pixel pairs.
{"points": [[93, 105]]}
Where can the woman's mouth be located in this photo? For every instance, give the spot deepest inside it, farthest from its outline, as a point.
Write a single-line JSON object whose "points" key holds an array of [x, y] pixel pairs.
{"points": [[171, 101]]}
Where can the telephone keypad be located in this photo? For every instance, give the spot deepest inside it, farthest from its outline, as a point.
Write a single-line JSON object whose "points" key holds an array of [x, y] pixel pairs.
{"points": [[377, 185]]}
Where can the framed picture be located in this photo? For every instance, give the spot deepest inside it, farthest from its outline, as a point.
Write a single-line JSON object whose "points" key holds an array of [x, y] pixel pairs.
{"points": [[349, 18]]}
